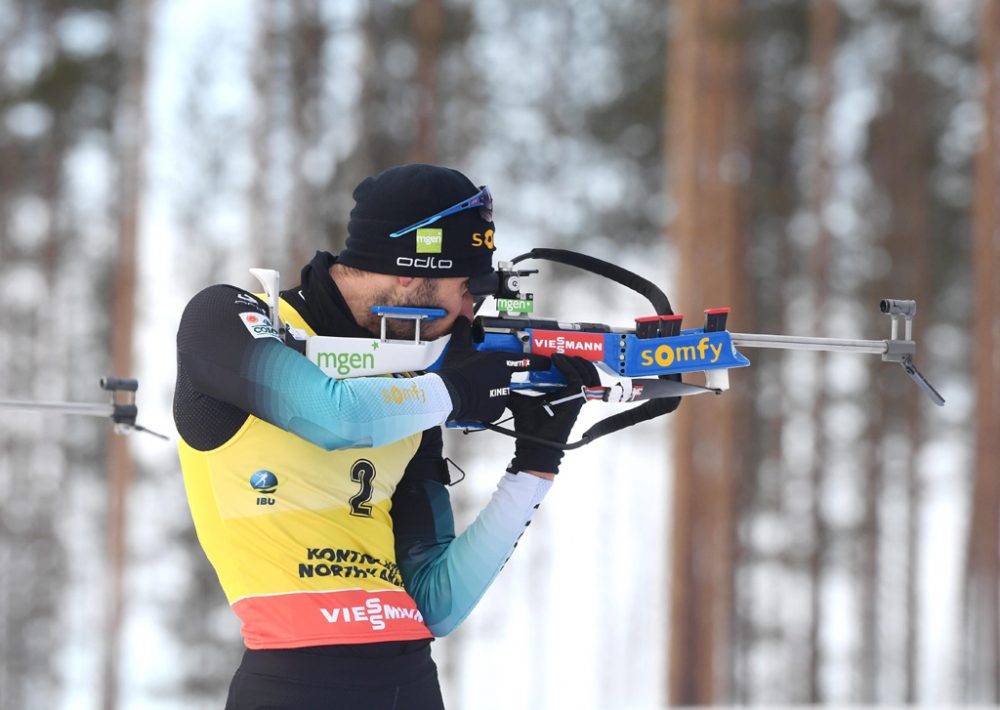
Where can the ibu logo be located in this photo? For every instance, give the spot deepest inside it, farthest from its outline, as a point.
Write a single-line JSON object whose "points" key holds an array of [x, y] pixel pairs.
{"points": [[266, 483]]}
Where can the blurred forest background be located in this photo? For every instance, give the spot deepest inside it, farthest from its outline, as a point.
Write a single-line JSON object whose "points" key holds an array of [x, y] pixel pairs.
{"points": [[820, 534]]}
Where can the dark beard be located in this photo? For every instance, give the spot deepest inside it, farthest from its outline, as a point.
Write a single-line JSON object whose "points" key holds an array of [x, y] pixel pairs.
{"points": [[424, 296]]}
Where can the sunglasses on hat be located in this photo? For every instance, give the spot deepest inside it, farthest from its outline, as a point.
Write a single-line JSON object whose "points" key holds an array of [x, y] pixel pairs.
{"points": [[482, 200]]}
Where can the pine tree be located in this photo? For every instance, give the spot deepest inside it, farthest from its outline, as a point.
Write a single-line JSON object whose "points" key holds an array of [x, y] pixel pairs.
{"points": [[707, 154]]}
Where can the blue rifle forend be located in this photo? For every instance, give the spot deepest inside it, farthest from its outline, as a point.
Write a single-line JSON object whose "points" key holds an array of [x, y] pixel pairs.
{"points": [[624, 354]]}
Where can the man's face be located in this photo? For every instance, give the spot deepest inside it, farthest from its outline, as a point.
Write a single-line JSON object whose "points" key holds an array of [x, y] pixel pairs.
{"points": [[450, 294]]}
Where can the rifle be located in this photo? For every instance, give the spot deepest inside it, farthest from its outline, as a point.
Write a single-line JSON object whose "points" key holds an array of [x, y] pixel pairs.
{"points": [[642, 362], [121, 408]]}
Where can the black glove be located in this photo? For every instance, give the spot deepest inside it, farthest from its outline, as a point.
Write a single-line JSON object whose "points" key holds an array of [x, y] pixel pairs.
{"points": [[479, 382], [531, 416]]}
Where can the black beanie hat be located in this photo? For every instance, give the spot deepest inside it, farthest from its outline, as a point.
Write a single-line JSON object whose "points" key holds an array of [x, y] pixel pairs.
{"points": [[400, 196]]}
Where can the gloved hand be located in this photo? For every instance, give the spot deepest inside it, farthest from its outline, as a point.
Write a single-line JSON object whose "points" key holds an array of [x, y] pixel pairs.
{"points": [[479, 382], [531, 416]]}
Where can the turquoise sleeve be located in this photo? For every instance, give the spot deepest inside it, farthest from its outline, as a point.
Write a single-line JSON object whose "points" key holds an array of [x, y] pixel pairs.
{"points": [[446, 574], [245, 365], [292, 393]]}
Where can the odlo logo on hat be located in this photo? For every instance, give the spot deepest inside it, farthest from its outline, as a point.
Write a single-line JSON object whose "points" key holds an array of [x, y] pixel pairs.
{"points": [[401, 216]]}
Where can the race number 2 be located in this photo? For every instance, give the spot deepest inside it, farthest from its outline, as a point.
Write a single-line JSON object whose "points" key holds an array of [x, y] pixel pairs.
{"points": [[362, 472]]}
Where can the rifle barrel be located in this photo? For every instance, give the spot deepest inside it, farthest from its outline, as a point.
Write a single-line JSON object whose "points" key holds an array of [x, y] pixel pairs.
{"points": [[95, 409], [793, 342]]}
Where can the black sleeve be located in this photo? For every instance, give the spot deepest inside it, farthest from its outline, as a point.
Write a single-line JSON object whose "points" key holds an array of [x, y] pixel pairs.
{"points": [[211, 399], [413, 516], [428, 463]]}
